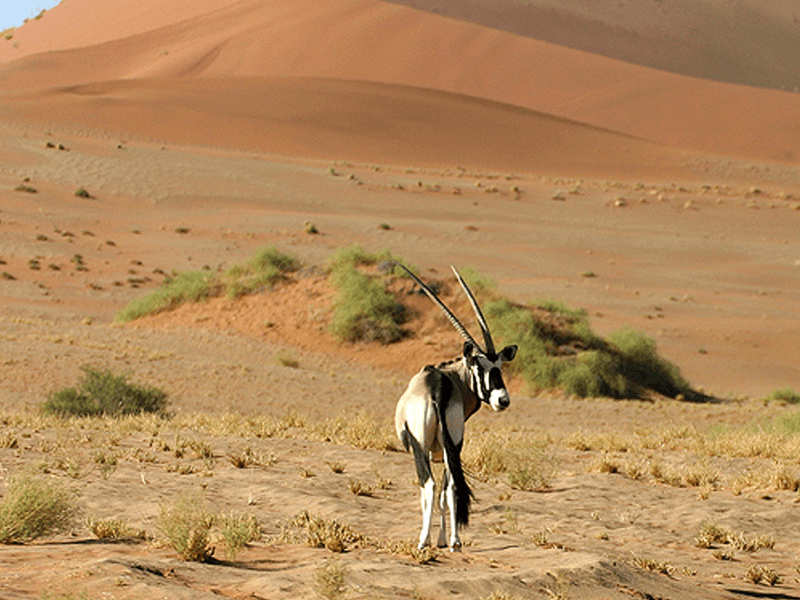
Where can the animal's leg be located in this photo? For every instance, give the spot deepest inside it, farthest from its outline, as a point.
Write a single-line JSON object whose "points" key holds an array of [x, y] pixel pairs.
{"points": [[428, 498], [449, 492], [427, 486], [456, 492], [443, 504]]}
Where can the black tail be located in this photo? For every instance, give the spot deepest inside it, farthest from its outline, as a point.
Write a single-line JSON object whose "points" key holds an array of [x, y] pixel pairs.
{"points": [[452, 452]]}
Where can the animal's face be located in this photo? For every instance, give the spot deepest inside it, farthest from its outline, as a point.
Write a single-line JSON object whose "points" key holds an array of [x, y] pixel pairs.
{"points": [[486, 376]]}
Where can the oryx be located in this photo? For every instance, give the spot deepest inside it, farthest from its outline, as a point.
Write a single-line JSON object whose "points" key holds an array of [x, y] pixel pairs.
{"points": [[431, 414]]}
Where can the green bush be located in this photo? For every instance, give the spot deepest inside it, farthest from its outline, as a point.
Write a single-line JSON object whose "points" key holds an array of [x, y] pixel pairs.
{"points": [[784, 396], [191, 286], [264, 269], [187, 524], [103, 393], [34, 507], [559, 350], [641, 364], [363, 309], [237, 531]]}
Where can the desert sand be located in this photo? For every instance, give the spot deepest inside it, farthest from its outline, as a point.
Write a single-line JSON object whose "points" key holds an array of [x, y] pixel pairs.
{"points": [[660, 197]]}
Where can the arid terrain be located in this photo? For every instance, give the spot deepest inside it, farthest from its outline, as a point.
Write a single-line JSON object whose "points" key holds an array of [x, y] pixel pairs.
{"points": [[666, 201]]}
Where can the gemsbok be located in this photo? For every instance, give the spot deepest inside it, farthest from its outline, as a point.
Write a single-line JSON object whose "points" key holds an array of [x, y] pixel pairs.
{"points": [[431, 414]]}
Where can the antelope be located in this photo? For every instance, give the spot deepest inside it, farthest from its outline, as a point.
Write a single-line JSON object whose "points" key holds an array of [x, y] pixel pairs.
{"points": [[433, 410]]}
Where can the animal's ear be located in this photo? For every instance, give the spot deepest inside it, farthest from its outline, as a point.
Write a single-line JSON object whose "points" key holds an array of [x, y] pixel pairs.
{"points": [[469, 349], [508, 353]]}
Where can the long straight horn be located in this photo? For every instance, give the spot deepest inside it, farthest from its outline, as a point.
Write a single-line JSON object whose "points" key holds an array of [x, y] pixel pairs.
{"points": [[430, 293], [484, 327]]}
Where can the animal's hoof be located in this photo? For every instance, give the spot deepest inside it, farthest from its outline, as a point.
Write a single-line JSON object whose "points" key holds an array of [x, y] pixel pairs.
{"points": [[455, 548]]}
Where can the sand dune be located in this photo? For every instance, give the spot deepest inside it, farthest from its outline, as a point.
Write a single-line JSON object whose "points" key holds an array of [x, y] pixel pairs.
{"points": [[331, 119], [206, 129], [747, 42], [386, 43]]}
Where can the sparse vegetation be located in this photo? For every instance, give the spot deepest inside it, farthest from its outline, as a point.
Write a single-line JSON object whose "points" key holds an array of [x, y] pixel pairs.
{"points": [[318, 532], [558, 349], [785, 396], [651, 564], [33, 507], [187, 523], [102, 393], [329, 580], [190, 286], [363, 310], [265, 268], [113, 529], [237, 531], [712, 535], [762, 574]]}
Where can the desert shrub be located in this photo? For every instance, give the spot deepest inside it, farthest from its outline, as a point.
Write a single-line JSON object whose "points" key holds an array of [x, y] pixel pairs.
{"points": [[34, 507], [363, 309], [356, 256], [237, 531], [103, 393], [190, 286], [526, 462], [113, 529], [263, 269], [650, 564], [329, 580], [187, 524], [784, 396], [760, 573], [318, 532], [643, 366], [360, 430], [558, 349]]}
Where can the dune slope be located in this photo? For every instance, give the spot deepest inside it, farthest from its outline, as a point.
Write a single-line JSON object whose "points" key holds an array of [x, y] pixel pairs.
{"points": [[375, 41], [746, 42], [332, 119]]}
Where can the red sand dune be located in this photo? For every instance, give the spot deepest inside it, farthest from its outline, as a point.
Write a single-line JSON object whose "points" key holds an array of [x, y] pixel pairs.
{"points": [[749, 42], [369, 40], [362, 121]]}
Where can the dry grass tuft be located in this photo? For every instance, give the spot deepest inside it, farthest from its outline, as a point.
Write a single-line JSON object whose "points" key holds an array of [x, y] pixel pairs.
{"points": [[712, 535], [318, 532], [420, 556], [114, 529], [329, 580], [359, 488], [187, 524], [650, 564], [526, 460], [759, 573], [34, 507], [237, 531], [361, 431]]}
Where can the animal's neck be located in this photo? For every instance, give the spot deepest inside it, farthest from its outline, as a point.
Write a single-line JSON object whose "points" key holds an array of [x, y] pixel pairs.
{"points": [[456, 369]]}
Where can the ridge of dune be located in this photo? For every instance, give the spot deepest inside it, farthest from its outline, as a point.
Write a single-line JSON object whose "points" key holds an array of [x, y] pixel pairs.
{"points": [[748, 42], [371, 40], [331, 119]]}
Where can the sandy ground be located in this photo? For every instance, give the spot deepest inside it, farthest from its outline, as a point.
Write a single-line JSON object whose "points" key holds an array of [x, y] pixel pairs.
{"points": [[206, 130], [709, 273]]}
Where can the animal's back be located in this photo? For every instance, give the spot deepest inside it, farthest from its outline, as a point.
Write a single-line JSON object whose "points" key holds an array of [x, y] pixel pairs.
{"points": [[415, 413]]}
